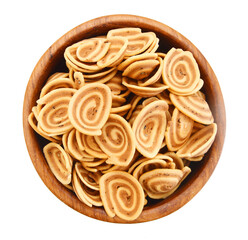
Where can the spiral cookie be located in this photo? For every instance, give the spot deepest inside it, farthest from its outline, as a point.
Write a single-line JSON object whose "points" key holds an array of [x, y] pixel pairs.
{"points": [[180, 72], [149, 127], [55, 84], [74, 148], [92, 166], [90, 179], [154, 76], [73, 62], [59, 162], [160, 183], [91, 147], [178, 130], [98, 77], [149, 91], [85, 194], [117, 140], [140, 69], [194, 107], [199, 143], [92, 50], [115, 53], [176, 159], [122, 195], [139, 43], [123, 32], [33, 123], [53, 116], [149, 165], [144, 56], [57, 75], [89, 108]]}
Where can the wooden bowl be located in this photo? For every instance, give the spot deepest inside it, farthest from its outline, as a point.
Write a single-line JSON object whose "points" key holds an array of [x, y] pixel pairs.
{"points": [[53, 61]]}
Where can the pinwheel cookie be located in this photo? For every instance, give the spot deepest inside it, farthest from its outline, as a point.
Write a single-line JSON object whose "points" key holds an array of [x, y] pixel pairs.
{"points": [[199, 143], [181, 72], [160, 183], [194, 107], [138, 42], [122, 195], [90, 107], [85, 192], [149, 127], [117, 140], [59, 162], [125, 122], [53, 117], [178, 131]]}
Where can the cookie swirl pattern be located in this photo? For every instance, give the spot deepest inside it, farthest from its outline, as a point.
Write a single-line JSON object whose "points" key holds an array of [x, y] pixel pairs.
{"points": [[122, 195], [149, 127], [180, 72], [117, 140], [89, 108]]}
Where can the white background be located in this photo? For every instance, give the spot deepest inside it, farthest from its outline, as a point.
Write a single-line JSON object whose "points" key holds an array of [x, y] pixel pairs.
{"points": [[28, 210]]}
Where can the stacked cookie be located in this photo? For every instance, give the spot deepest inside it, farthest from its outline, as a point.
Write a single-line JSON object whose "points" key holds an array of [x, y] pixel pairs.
{"points": [[124, 122]]}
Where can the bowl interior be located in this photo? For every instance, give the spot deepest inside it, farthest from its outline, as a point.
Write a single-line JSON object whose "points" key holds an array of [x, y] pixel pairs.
{"points": [[53, 61]]}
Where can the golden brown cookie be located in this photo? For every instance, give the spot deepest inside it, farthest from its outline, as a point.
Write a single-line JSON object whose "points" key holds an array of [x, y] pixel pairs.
{"points": [[180, 71], [117, 140], [91, 146], [92, 166], [154, 77], [92, 50], [115, 53], [199, 143], [148, 91], [122, 110], [123, 32], [176, 159], [97, 77], [140, 69], [178, 130], [115, 84], [59, 162], [90, 179], [139, 43], [55, 84], [144, 56], [149, 165], [33, 123], [160, 183], [76, 64], [57, 75], [122, 195], [53, 116], [89, 108], [194, 107], [84, 193], [149, 127], [72, 146]]}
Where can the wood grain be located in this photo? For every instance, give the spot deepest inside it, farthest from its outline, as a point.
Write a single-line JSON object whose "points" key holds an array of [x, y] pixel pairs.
{"points": [[53, 61]]}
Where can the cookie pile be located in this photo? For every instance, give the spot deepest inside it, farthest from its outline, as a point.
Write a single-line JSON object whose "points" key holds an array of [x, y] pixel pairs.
{"points": [[124, 122]]}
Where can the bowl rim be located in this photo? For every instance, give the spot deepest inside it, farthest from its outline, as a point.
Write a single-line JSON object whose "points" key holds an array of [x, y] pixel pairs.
{"points": [[170, 204]]}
